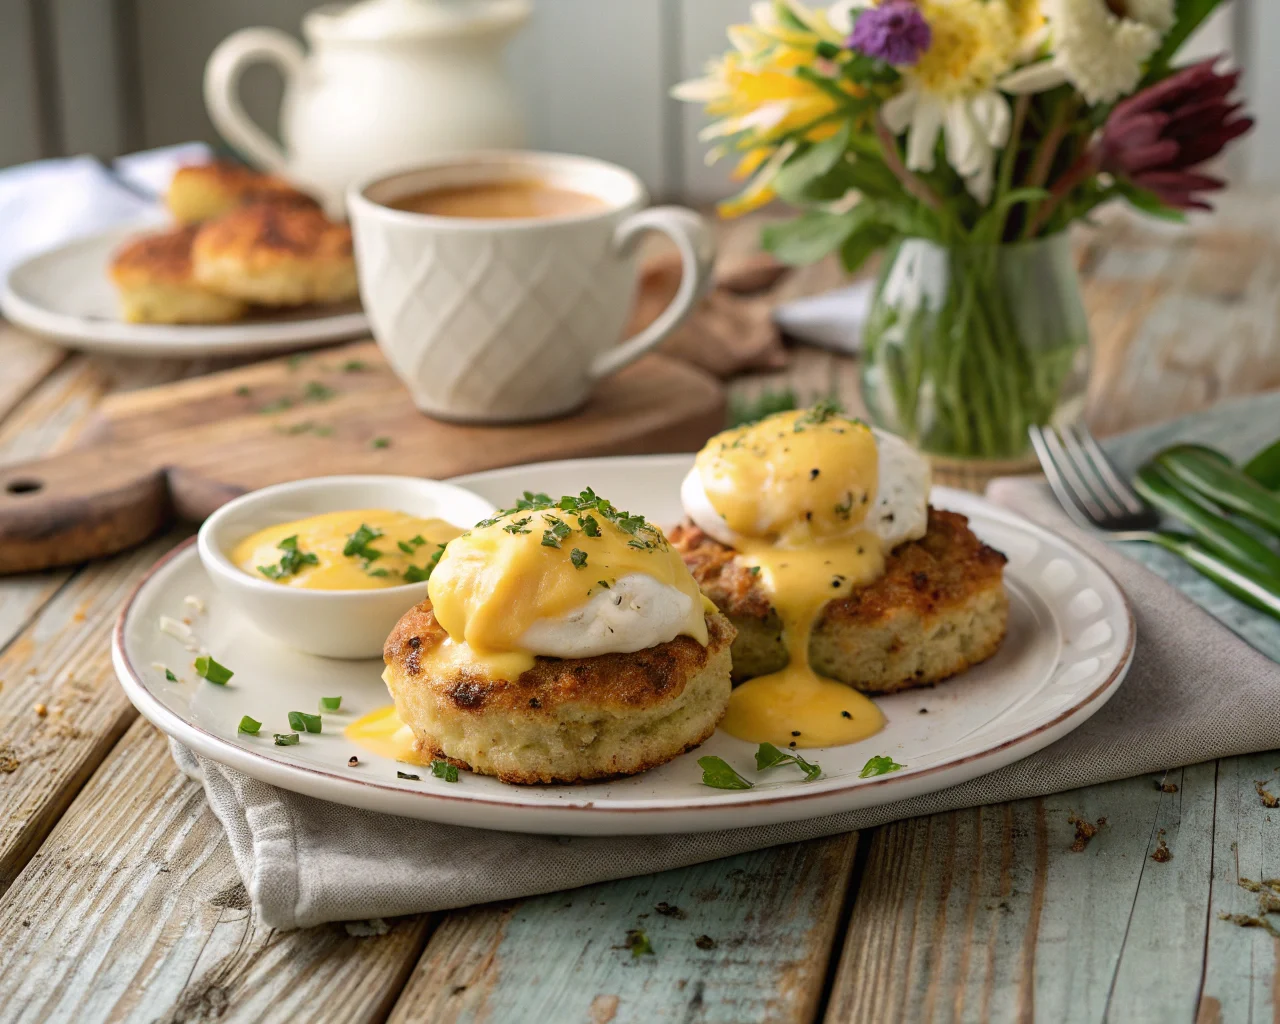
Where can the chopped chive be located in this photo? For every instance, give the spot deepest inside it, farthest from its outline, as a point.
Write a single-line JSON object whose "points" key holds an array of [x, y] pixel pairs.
{"points": [[301, 720], [380, 442], [406, 775], [249, 725], [208, 668], [286, 739], [330, 703], [444, 770]]}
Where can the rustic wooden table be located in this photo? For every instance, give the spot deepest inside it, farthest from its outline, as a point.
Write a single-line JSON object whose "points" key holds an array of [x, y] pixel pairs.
{"points": [[119, 899]]}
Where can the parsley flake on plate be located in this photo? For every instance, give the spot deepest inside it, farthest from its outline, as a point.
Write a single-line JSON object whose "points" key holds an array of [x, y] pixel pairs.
{"points": [[303, 722], [719, 774], [249, 725], [881, 765], [330, 703], [208, 668], [168, 674], [444, 770], [769, 756]]}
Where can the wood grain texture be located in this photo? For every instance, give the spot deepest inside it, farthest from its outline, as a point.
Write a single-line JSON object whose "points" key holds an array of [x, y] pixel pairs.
{"points": [[193, 445], [133, 911], [766, 922], [26, 361]]}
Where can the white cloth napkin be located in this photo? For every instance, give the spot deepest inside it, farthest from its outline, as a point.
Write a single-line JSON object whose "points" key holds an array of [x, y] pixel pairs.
{"points": [[50, 202], [832, 320], [1195, 692]]}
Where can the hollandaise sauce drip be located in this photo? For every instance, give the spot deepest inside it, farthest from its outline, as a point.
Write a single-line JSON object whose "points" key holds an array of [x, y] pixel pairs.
{"points": [[381, 732], [796, 488]]}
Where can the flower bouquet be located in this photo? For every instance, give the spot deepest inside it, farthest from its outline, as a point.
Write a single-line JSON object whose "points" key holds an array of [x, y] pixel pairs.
{"points": [[963, 137]]}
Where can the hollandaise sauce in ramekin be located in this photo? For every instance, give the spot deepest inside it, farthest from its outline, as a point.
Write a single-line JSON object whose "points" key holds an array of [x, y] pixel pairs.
{"points": [[795, 490], [361, 549]]}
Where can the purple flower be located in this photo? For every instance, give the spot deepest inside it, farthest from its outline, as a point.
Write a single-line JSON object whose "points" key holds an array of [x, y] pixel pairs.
{"points": [[895, 32]]}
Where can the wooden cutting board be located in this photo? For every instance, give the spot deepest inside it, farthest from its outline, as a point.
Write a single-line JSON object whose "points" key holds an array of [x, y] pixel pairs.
{"points": [[183, 449]]}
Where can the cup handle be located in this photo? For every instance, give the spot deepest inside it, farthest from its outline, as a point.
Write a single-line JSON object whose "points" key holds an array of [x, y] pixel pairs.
{"points": [[222, 95], [697, 253]]}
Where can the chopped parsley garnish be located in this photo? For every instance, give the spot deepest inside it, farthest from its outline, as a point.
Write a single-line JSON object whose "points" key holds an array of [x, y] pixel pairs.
{"points": [[168, 674], [881, 765], [639, 944], [769, 756], [208, 668], [421, 573], [378, 572], [588, 509], [380, 442], [330, 703], [719, 774], [405, 546], [291, 562], [444, 770], [406, 775], [821, 411], [317, 392], [304, 722], [249, 725], [603, 583], [357, 545], [286, 739], [578, 558]]}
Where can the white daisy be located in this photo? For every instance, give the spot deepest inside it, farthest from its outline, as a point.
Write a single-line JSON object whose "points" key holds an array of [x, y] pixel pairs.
{"points": [[1099, 52]]}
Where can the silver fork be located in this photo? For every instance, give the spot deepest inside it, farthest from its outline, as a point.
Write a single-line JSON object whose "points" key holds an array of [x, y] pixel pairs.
{"points": [[1088, 487]]}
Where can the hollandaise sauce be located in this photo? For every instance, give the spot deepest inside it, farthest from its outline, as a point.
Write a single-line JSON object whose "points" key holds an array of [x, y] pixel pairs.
{"points": [[540, 562], [796, 489], [363, 549], [382, 732]]}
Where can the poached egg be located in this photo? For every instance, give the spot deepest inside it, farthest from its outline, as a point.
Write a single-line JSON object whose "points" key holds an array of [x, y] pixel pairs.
{"points": [[812, 502]]}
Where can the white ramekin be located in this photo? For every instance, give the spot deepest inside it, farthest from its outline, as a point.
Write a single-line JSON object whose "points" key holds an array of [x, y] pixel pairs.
{"points": [[330, 623]]}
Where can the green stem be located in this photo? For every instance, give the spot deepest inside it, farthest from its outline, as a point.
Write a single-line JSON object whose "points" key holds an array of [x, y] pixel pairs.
{"points": [[893, 160], [1010, 156]]}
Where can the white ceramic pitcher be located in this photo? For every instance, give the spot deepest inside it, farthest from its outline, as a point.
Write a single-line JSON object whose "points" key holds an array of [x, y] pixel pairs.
{"points": [[387, 84]]}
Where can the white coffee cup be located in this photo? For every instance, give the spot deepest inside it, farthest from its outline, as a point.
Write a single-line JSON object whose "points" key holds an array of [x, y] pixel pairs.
{"points": [[510, 320]]}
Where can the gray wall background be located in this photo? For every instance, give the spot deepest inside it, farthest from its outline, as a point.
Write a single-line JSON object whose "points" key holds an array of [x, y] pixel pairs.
{"points": [[111, 76]]}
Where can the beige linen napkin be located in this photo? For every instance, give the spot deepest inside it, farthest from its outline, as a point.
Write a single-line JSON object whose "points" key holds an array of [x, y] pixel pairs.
{"points": [[1195, 692]]}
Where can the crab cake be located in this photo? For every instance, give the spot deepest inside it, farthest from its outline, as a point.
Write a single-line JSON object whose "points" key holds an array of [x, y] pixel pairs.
{"points": [[154, 276], [939, 608], [563, 720], [200, 192], [276, 255]]}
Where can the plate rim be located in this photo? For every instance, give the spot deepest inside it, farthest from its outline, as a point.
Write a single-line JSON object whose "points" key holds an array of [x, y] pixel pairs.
{"points": [[215, 746], [173, 340]]}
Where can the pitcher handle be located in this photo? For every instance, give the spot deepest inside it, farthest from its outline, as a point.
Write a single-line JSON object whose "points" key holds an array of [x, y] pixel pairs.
{"points": [[697, 253], [222, 94]]}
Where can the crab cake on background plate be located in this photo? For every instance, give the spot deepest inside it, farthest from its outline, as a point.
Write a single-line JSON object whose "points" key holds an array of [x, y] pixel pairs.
{"points": [[276, 255], [561, 641], [154, 277]]}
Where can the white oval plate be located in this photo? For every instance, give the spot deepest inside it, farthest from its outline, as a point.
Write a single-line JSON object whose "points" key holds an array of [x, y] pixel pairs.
{"points": [[65, 294], [1070, 641]]}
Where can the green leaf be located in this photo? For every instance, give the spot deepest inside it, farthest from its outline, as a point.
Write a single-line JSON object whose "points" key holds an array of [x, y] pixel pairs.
{"points": [[1148, 203], [990, 223], [769, 756], [301, 720], [881, 765], [330, 703], [1188, 14], [862, 245], [794, 182], [809, 237], [718, 774], [249, 725], [1264, 467], [444, 770], [208, 668]]}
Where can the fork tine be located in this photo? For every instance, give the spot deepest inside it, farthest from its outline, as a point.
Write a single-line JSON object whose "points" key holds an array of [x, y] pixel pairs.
{"points": [[1118, 485], [1089, 472], [1067, 498]]}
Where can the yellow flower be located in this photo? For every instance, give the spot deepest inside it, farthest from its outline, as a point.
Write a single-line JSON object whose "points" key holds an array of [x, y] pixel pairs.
{"points": [[973, 44]]}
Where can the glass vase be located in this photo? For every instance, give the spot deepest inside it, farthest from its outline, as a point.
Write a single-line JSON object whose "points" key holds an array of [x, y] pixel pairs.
{"points": [[966, 346]]}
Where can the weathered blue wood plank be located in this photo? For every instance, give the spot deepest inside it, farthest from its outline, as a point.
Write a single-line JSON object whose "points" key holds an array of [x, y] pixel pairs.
{"points": [[742, 939]]}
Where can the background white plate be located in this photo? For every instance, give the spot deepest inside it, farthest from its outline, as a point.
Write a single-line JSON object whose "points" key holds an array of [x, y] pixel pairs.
{"points": [[66, 294], [1070, 641]]}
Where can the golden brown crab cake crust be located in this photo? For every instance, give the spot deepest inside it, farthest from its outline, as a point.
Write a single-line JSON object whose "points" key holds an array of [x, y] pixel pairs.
{"points": [[565, 719], [154, 277], [276, 255], [201, 192], [939, 608]]}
